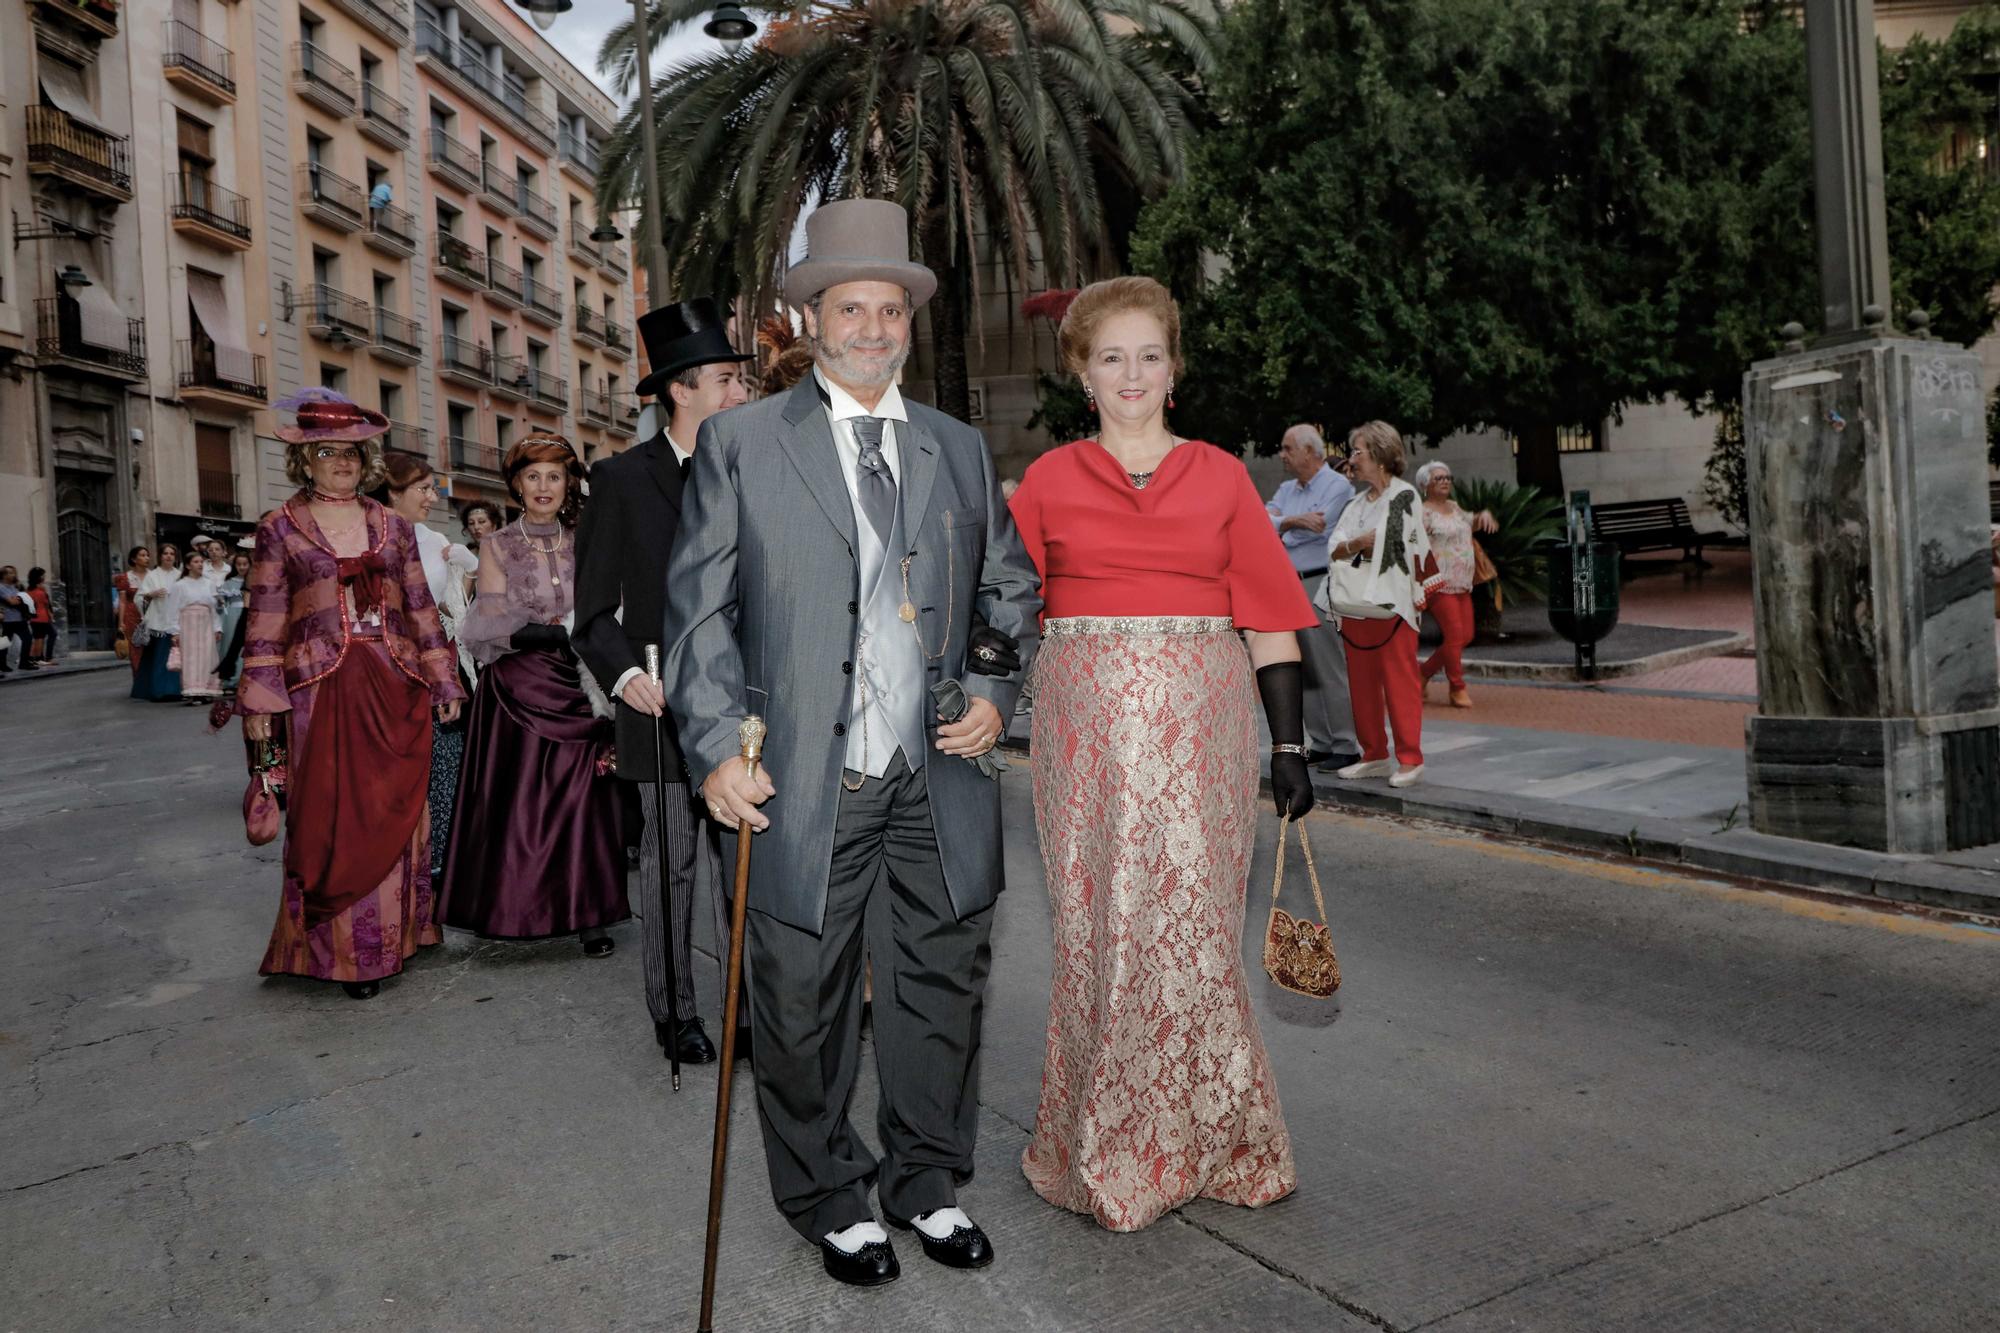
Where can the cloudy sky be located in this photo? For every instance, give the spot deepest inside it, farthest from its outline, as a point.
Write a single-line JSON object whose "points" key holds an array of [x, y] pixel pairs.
{"points": [[580, 32]]}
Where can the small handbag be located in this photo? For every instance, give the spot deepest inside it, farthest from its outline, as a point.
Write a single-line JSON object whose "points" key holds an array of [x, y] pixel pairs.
{"points": [[264, 798], [1483, 568], [1298, 954], [174, 656]]}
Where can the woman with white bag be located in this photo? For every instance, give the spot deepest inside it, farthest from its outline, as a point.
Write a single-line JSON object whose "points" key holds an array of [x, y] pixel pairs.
{"points": [[1379, 573]]}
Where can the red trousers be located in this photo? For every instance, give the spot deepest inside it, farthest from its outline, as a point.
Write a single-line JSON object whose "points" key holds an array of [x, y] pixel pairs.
{"points": [[1385, 679], [1454, 616]]}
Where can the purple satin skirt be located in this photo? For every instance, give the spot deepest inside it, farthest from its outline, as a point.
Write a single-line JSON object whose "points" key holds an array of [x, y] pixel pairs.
{"points": [[538, 837]]}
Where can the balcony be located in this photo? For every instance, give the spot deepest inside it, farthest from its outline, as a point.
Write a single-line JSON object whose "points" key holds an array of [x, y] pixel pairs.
{"points": [[548, 391], [213, 382], [614, 258], [500, 189], [463, 361], [397, 339], [540, 303], [617, 341], [203, 211], [60, 336], [333, 200], [465, 66], [324, 81], [503, 284], [335, 317], [513, 377], [590, 326], [387, 18], [403, 438], [383, 118], [92, 161], [625, 418], [459, 264], [97, 18], [392, 230], [537, 213], [581, 246], [216, 492], [472, 456], [579, 156], [593, 407], [197, 66], [451, 161]]}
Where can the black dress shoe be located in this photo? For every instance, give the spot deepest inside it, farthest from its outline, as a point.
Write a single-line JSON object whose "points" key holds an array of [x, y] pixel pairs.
{"points": [[692, 1041], [870, 1266], [598, 946], [1336, 761], [361, 990], [965, 1247]]}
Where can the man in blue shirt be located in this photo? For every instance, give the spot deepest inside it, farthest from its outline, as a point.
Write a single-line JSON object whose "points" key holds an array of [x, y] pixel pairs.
{"points": [[1304, 511]]}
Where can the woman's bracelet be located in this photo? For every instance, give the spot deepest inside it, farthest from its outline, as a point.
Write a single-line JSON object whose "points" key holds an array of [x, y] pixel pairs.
{"points": [[1280, 748]]}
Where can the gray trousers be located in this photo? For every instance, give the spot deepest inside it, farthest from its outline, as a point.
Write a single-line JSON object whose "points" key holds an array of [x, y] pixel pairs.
{"points": [[886, 900], [1329, 705], [692, 873]]}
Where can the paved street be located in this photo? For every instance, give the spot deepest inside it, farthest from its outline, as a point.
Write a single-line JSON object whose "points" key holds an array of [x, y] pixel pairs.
{"points": [[1553, 1094]]}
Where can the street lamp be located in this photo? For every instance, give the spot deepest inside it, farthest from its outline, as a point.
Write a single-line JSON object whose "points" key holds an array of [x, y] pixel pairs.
{"points": [[606, 234], [71, 276], [544, 12], [730, 26]]}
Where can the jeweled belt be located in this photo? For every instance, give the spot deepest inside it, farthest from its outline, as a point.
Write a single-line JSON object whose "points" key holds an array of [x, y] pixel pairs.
{"points": [[1136, 625]]}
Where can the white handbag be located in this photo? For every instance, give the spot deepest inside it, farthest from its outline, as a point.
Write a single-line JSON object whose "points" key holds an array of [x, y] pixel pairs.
{"points": [[1348, 584]]}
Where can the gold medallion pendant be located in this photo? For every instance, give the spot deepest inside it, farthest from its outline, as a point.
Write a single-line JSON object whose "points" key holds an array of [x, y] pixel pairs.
{"points": [[907, 613]]}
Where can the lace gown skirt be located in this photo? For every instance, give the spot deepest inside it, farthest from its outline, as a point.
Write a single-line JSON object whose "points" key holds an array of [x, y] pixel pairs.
{"points": [[1156, 1087]]}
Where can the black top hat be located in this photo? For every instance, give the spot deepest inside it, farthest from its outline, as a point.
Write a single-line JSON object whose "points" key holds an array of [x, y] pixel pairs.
{"points": [[680, 336]]}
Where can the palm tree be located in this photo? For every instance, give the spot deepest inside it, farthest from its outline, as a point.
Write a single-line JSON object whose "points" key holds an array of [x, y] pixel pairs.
{"points": [[1013, 123]]}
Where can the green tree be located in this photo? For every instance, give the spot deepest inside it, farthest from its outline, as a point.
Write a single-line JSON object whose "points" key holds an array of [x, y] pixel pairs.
{"points": [[1025, 126], [1524, 213]]}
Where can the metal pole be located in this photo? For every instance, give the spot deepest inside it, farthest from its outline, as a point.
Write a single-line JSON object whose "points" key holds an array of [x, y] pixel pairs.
{"points": [[1847, 164], [654, 244]]}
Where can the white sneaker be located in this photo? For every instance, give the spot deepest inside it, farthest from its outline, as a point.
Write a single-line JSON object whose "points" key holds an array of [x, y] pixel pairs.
{"points": [[1367, 768], [1407, 777]]}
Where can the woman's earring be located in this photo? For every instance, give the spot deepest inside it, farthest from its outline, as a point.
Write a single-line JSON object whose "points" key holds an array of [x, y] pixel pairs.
{"points": [[1090, 397], [1170, 395]]}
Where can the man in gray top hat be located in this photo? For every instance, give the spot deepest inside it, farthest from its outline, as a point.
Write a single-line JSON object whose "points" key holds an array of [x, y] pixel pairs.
{"points": [[836, 545]]}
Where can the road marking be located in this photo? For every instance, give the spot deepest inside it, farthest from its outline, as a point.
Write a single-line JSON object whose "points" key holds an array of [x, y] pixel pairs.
{"points": [[1596, 779], [1882, 917]]}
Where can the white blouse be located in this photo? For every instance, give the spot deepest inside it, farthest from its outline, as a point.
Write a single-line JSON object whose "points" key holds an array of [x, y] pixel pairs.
{"points": [[443, 560], [156, 615]]}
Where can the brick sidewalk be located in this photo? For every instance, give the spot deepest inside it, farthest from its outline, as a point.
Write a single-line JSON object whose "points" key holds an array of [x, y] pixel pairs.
{"points": [[1587, 711]]}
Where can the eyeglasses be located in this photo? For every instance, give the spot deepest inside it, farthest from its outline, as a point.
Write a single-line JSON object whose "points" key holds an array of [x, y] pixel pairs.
{"points": [[327, 453]]}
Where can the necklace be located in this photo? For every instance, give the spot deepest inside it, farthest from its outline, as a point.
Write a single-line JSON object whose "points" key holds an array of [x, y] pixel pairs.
{"points": [[553, 553], [1140, 480], [324, 498]]}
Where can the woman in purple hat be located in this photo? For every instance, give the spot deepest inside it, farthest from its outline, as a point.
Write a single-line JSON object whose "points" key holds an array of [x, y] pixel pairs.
{"points": [[343, 641]]}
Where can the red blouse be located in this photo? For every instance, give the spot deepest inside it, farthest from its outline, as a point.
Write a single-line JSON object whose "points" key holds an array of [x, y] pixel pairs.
{"points": [[1197, 541]]}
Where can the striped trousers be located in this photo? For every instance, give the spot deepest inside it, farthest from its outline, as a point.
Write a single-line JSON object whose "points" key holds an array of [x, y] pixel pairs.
{"points": [[693, 871]]}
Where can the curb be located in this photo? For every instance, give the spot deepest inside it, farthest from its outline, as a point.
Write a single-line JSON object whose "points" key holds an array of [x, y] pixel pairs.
{"points": [[1635, 666], [61, 670], [1742, 853]]}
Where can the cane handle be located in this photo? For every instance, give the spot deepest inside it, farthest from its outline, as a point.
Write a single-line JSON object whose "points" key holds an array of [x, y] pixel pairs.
{"points": [[751, 733], [653, 662]]}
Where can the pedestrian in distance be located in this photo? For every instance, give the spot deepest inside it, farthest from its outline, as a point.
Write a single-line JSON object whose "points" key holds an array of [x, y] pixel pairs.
{"points": [[346, 666], [229, 597], [1451, 531], [155, 681], [41, 620], [1380, 573], [15, 609], [192, 602], [1160, 564], [538, 845], [125, 584], [836, 544], [622, 545], [1306, 506], [479, 520]]}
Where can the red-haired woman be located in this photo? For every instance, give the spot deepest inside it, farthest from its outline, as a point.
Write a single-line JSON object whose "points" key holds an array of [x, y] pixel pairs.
{"points": [[538, 846]]}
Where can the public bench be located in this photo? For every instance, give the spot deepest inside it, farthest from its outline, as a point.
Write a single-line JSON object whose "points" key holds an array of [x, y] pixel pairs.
{"points": [[1651, 525]]}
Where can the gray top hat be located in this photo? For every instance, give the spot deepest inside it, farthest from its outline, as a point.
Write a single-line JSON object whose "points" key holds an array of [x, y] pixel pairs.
{"points": [[858, 240]]}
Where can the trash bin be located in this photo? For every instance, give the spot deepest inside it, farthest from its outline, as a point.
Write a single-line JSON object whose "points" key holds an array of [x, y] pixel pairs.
{"points": [[1583, 598]]}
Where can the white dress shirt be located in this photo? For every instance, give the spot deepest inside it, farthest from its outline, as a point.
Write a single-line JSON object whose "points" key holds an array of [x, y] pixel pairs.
{"points": [[841, 409]]}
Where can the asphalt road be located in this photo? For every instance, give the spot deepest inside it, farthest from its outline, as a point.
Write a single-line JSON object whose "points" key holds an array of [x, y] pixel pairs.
{"points": [[1553, 1094]]}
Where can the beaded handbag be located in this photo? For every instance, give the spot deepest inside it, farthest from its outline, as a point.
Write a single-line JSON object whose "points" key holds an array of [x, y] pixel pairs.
{"points": [[1298, 954]]}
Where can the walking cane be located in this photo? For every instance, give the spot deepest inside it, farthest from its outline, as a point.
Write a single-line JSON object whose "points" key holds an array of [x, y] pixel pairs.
{"points": [[751, 733], [660, 831]]}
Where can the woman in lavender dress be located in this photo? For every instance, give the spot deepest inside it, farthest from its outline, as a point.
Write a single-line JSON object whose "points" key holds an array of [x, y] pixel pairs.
{"points": [[538, 845]]}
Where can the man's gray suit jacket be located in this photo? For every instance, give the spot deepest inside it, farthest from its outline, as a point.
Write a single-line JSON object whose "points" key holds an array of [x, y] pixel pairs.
{"points": [[763, 594]]}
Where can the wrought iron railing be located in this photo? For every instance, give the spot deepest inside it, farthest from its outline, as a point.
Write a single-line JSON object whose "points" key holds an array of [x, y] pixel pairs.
{"points": [[330, 309], [199, 199], [59, 332], [540, 296], [318, 186], [465, 357], [397, 224], [454, 254], [468, 65], [398, 333], [321, 72], [56, 140], [195, 368], [580, 151], [590, 324], [184, 47], [380, 109], [474, 456], [448, 153]]}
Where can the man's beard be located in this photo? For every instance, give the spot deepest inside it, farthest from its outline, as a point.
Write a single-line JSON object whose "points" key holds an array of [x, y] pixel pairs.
{"points": [[841, 362]]}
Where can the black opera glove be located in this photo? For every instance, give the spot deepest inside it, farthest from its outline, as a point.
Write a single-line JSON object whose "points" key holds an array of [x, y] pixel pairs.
{"points": [[551, 637], [992, 653], [1281, 685]]}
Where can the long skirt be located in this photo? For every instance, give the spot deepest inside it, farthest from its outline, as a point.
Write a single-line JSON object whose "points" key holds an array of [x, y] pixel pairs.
{"points": [[152, 680], [538, 836], [357, 898], [447, 756], [198, 653], [1156, 1088]]}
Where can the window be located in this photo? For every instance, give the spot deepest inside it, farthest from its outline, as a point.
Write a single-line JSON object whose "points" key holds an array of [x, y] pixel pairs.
{"points": [[487, 148], [582, 295], [196, 159], [498, 334], [1569, 440], [332, 377], [531, 265], [503, 431], [326, 268], [215, 471], [493, 239], [458, 420], [453, 321], [310, 29], [371, 69], [447, 217], [318, 149], [389, 396], [538, 355], [444, 119], [385, 292]]}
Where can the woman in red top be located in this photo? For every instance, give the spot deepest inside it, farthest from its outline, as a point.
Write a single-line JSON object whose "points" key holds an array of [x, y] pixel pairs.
{"points": [[137, 561], [41, 621], [1155, 554]]}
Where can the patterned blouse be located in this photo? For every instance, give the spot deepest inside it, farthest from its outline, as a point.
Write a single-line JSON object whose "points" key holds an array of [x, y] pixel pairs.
{"points": [[1451, 543], [538, 562]]}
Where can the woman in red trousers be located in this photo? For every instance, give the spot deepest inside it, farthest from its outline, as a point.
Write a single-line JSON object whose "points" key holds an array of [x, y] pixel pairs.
{"points": [[1450, 529]]}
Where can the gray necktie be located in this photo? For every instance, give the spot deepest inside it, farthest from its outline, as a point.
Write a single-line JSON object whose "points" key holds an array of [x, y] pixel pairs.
{"points": [[878, 487]]}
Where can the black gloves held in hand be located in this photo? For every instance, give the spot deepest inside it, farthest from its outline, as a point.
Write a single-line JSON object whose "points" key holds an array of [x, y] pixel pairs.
{"points": [[991, 653], [1281, 685], [552, 637]]}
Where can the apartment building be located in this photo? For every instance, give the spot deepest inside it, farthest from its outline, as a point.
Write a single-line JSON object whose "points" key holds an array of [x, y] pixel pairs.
{"points": [[530, 319]]}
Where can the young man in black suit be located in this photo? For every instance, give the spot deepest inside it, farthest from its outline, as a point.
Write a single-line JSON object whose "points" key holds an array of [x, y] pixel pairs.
{"points": [[622, 543]]}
